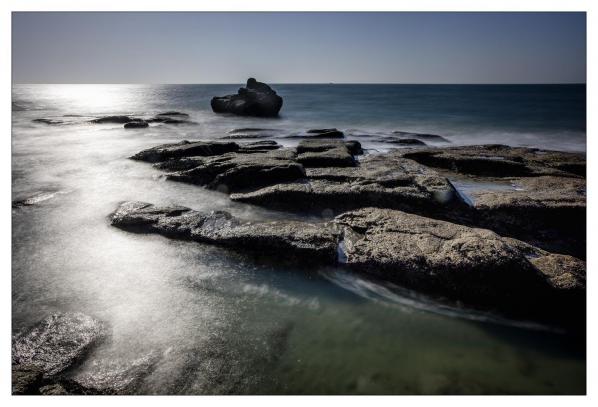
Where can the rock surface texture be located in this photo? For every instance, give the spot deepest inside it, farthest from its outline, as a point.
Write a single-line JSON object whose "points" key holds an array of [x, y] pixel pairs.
{"points": [[311, 241], [255, 99], [492, 226]]}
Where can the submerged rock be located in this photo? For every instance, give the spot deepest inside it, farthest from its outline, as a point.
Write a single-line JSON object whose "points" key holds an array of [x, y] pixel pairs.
{"points": [[256, 99], [400, 141], [311, 242], [185, 149], [48, 121], [172, 114], [136, 125], [115, 120], [259, 146], [57, 342], [325, 133], [420, 136], [354, 147]]}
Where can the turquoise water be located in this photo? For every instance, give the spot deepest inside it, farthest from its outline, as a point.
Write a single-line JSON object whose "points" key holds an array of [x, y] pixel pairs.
{"points": [[213, 321]]}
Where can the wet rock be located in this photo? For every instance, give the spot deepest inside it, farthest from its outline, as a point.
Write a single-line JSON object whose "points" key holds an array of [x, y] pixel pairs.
{"points": [[172, 114], [36, 198], [353, 146], [470, 264], [476, 164], [400, 141], [380, 180], [57, 342], [256, 99], [115, 120], [243, 136], [185, 149], [116, 376], [334, 157], [238, 171], [325, 133], [48, 121], [26, 379], [136, 125], [313, 242], [252, 130], [68, 387], [259, 146], [495, 160], [421, 136], [547, 211]]}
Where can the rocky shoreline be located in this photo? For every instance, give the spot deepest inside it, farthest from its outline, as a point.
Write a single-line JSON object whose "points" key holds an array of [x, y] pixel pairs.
{"points": [[488, 227], [514, 244]]}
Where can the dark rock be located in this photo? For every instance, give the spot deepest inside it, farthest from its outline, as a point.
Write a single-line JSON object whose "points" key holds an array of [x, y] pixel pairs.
{"points": [[185, 149], [48, 121], [136, 125], [334, 157], [115, 120], [311, 242], [237, 171], [175, 121], [172, 113], [246, 136], [251, 130], [380, 180], [401, 141], [473, 265], [421, 136], [495, 160], [259, 146], [26, 379], [354, 147], [57, 342], [547, 211], [325, 133], [256, 99], [36, 198]]}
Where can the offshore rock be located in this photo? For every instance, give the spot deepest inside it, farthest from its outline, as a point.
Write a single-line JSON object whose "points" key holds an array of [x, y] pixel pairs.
{"points": [[256, 99]]}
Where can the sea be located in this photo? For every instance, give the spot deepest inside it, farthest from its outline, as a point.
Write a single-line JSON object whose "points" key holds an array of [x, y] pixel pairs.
{"points": [[188, 318]]}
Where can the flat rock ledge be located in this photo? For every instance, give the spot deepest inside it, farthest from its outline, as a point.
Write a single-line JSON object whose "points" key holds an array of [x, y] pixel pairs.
{"points": [[534, 195], [311, 242], [472, 265]]}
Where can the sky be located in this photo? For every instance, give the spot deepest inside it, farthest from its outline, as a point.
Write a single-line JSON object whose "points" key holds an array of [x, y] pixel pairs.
{"points": [[190, 47]]}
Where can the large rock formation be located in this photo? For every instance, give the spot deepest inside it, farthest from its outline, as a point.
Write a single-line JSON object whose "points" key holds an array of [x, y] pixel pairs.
{"points": [[310, 242], [255, 99]]}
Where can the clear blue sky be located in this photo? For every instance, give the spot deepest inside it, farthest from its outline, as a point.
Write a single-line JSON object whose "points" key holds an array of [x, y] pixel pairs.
{"points": [[299, 47]]}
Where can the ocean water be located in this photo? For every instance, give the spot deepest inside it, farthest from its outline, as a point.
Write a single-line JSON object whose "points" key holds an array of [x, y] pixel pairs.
{"points": [[187, 318]]}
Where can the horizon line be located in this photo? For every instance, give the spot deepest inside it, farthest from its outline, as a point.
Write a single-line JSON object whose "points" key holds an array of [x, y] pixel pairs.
{"points": [[299, 83]]}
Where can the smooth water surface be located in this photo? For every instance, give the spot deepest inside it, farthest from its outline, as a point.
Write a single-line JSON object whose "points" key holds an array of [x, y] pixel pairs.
{"points": [[203, 320]]}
